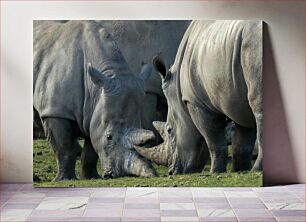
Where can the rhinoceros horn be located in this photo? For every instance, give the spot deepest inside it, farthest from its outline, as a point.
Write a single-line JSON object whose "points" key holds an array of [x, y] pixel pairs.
{"points": [[140, 136], [161, 153]]}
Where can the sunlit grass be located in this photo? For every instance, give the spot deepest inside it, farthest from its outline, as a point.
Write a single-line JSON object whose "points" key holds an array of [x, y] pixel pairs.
{"points": [[45, 169]]}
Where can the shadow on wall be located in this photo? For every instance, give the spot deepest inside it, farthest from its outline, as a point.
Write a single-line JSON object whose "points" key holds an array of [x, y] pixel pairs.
{"points": [[278, 163]]}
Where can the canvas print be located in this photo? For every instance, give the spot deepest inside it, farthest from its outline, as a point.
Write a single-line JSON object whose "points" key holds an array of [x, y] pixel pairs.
{"points": [[147, 103]]}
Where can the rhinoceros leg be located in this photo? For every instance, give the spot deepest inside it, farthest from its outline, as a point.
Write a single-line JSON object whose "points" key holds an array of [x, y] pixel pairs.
{"points": [[251, 62], [243, 144], [61, 133], [258, 163], [212, 127], [89, 160]]}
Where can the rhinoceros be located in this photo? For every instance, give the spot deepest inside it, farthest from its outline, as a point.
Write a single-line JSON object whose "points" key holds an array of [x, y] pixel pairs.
{"points": [[83, 87], [217, 75], [141, 40]]}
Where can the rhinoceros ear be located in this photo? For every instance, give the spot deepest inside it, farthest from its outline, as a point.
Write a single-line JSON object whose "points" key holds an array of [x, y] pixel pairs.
{"points": [[95, 76], [159, 65], [145, 72]]}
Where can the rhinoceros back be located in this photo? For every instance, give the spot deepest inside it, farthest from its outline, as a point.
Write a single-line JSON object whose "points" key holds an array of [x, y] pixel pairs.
{"points": [[211, 70], [58, 69]]}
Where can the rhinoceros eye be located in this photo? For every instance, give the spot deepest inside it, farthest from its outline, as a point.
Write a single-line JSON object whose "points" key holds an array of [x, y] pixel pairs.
{"points": [[109, 137], [169, 130]]}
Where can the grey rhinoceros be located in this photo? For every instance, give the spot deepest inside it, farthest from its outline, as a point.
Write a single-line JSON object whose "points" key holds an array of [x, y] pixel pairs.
{"points": [[141, 40], [83, 87], [217, 75]]}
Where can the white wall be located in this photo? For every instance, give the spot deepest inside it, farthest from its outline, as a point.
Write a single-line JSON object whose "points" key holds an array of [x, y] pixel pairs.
{"points": [[284, 84]]}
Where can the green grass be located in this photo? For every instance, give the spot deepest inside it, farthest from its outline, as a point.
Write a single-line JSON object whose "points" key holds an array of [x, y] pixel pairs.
{"points": [[45, 168]]}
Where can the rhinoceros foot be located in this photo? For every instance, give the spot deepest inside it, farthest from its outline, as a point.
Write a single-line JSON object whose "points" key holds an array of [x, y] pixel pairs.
{"points": [[90, 173], [242, 162], [61, 134], [258, 164], [62, 177], [178, 168], [257, 167]]}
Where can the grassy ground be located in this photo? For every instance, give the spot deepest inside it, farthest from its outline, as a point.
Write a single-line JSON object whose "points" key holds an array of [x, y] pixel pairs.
{"points": [[45, 170]]}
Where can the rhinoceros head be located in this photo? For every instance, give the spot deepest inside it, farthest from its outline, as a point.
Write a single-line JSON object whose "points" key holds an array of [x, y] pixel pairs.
{"points": [[183, 149], [115, 123]]}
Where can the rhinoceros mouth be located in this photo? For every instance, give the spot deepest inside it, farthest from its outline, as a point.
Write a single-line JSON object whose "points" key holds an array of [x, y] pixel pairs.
{"points": [[136, 165], [133, 165]]}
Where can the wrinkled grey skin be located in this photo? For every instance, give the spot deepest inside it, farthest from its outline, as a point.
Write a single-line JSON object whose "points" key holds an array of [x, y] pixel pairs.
{"points": [[217, 74], [83, 87], [141, 41]]}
